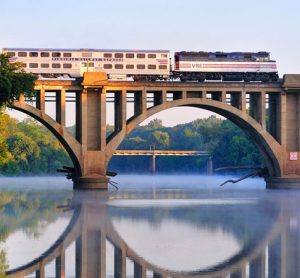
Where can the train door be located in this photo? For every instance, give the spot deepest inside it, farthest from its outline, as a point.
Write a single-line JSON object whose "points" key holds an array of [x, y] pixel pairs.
{"points": [[87, 66]]}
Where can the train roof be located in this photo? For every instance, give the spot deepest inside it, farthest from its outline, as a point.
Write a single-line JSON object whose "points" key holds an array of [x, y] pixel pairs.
{"points": [[85, 50]]}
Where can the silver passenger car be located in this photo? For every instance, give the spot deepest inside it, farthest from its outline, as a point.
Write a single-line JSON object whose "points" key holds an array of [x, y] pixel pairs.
{"points": [[138, 64]]}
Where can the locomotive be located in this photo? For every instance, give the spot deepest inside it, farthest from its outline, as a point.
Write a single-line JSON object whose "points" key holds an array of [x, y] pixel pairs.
{"points": [[147, 65]]}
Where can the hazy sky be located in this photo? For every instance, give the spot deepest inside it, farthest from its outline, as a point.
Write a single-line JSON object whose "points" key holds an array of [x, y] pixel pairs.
{"points": [[230, 25]]}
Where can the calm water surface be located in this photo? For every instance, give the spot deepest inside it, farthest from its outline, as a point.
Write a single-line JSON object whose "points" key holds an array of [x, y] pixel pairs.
{"points": [[163, 226]]}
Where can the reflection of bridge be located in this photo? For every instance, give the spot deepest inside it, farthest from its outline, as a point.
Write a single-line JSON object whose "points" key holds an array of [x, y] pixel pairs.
{"points": [[154, 153], [246, 104], [275, 255]]}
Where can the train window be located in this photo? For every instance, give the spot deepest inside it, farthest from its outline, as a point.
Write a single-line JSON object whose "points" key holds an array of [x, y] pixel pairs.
{"points": [[24, 65], [87, 55], [119, 55], [67, 66], [22, 54], [67, 55], [163, 67], [140, 67], [56, 54], [151, 56], [141, 55], [84, 64], [119, 66], [107, 55], [164, 55], [44, 66], [221, 56], [56, 66], [33, 54], [107, 66], [45, 54], [129, 66], [11, 54], [130, 55], [33, 65], [151, 67], [91, 64]]}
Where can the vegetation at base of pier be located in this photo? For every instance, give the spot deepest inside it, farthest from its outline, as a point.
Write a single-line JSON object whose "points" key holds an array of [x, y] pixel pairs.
{"points": [[14, 81], [29, 148]]}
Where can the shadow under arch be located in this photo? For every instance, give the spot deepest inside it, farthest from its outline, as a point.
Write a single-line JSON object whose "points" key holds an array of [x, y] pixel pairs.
{"points": [[60, 132], [266, 143]]}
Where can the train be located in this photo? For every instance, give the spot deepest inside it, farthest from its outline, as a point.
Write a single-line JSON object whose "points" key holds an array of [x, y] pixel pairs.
{"points": [[147, 65]]}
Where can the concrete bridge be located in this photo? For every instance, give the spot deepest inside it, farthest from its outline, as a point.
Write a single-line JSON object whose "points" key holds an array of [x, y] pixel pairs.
{"points": [[273, 255], [268, 112]]}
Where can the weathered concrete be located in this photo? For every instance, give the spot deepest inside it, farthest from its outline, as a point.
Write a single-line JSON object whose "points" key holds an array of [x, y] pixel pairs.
{"points": [[92, 151]]}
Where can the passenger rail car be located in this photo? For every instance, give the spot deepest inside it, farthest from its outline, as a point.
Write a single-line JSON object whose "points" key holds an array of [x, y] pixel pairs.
{"points": [[231, 66], [139, 64]]}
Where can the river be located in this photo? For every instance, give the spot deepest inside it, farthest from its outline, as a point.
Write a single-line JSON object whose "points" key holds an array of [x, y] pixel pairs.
{"points": [[153, 226]]}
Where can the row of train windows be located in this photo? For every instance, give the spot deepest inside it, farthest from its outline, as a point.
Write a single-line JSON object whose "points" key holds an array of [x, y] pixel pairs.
{"points": [[85, 55], [105, 66]]}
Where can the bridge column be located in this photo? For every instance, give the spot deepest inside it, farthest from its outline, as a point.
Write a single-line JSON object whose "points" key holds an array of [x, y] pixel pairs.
{"points": [[209, 166], [60, 266], [257, 267], [61, 107], [139, 271], [120, 263], [120, 111], [40, 100], [153, 164], [91, 133]]}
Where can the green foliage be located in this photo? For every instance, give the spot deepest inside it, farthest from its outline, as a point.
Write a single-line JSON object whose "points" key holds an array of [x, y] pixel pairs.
{"points": [[29, 148], [229, 145], [14, 81]]}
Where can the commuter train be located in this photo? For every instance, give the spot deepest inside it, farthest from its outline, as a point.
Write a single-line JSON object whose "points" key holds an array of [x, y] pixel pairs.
{"points": [[147, 65]]}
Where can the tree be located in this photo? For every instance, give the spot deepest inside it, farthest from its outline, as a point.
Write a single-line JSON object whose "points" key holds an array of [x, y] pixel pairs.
{"points": [[14, 81]]}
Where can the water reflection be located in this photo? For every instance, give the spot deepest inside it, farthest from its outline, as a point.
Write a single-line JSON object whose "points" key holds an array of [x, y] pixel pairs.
{"points": [[172, 232]]}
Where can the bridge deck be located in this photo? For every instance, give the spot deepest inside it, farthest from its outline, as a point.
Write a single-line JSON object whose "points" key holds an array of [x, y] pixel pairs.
{"points": [[161, 153]]}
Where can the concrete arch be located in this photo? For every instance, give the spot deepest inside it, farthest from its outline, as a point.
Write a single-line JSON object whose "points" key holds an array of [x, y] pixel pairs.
{"points": [[269, 147], [70, 144]]}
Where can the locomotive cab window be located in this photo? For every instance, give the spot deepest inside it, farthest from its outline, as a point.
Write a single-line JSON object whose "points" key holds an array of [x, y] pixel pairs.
{"points": [[33, 54], [55, 54], [45, 54], [22, 54], [141, 56]]}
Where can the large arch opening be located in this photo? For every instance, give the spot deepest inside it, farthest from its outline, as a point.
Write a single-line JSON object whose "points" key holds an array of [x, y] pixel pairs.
{"points": [[262, 139]]}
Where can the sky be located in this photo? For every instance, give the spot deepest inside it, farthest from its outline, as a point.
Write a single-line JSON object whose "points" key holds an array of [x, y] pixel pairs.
{"points": [[231, 25]]}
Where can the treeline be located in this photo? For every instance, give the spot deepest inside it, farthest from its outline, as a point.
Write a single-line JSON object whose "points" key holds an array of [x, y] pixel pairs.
{"points": [[29, 148]]}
